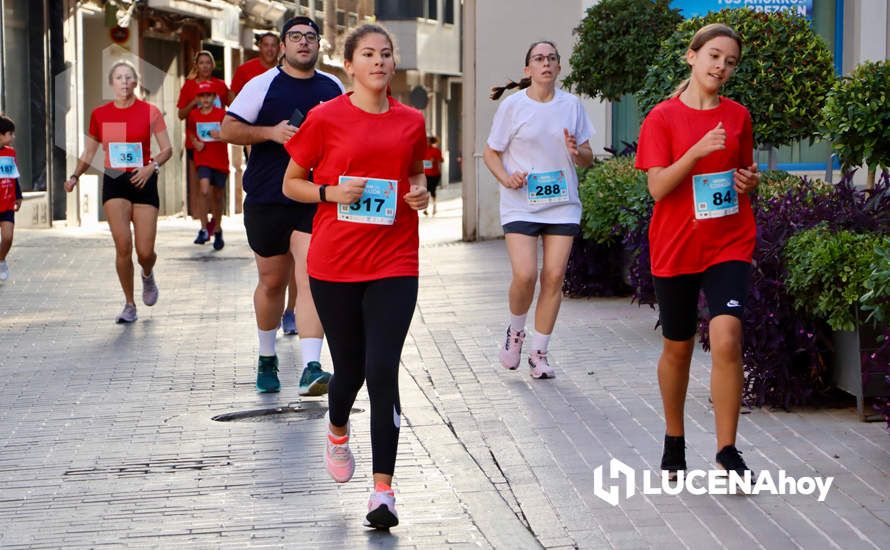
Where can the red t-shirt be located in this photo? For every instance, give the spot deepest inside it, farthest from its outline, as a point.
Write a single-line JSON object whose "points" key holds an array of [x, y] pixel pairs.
{"points": [[332, 142], [190, 90], [245, 72], [680, 243], [433, 158], [215, 153], [9, 188], [135, 124]]}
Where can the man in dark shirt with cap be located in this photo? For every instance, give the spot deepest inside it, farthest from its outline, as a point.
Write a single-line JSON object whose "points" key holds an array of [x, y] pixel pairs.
{"points": [[279, 229]]}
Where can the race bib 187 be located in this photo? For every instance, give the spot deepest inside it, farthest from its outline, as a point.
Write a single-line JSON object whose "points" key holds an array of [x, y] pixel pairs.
{"points": [[547, 187], [377, 204], [714, 195], [8, 168], [125, 155]]}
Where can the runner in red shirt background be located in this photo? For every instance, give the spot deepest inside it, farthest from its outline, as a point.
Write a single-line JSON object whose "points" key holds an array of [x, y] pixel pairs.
{"points": [[201, 71], [124, 128], [432, 169], [697, 148], [10, 192], [211, 158], [362, 261], [269, 45]]}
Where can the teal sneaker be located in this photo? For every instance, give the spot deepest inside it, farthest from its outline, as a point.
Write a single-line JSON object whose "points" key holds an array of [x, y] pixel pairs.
{"points": [[267, 375], [314, 381]]}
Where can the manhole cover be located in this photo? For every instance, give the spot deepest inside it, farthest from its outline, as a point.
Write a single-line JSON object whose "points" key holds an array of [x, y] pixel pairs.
{"points": [[292, 412]]}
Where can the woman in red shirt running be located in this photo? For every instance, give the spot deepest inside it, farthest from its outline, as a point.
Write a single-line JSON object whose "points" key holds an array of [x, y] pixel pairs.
{"points": [[697, 148], [362, 260], [202, 71], [124, 128], [432, 169]]}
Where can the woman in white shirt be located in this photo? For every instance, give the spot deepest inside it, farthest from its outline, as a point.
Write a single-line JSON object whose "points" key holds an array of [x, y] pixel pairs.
{"points": [[537, 137]]}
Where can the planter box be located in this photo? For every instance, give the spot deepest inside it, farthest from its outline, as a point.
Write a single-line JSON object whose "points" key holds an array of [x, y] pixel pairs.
{"points": [[847, 368]]}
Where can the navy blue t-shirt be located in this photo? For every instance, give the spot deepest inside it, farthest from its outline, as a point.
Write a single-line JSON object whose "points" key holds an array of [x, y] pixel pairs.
{"points": [[266, 100]]}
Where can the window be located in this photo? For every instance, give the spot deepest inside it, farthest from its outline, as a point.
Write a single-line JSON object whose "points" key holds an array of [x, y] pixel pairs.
{"points": [[341, 20], [398, 10], [432, 9], [448, 16], [352, 20]]}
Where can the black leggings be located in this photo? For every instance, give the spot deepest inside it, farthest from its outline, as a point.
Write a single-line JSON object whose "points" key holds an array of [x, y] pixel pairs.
{"points": [[366, 324]]}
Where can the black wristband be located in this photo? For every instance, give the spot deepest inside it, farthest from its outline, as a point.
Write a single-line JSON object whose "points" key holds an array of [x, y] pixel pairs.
{"points": [[321, 193]]}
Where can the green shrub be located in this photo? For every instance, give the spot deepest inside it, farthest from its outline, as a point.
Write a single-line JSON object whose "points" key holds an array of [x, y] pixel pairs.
{"points": [[827, 272], [614, 197], [876, 300], [777, 183], [784, 75], [617, 40], [856, 116]]}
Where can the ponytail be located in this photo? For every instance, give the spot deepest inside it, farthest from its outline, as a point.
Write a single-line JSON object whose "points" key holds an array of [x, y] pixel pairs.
{"points": [[680, 89], [498, 91]]}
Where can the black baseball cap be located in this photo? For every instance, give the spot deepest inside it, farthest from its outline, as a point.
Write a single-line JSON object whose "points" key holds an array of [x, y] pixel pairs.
{"points": [[299, 20]]}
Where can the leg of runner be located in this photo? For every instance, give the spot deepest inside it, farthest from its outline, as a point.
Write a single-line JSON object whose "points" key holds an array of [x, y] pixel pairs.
{"points": [[523, 252], [289, 319], [268, 303], [7, 229], [197, 210], [673, 380], [556, 256], [313, 380], [119, 212], [145, 229]]}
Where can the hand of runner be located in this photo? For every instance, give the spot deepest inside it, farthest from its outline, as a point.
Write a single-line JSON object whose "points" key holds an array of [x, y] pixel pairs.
{"points": [[282, 132], [515, 181], [18, 204], [215, 135], [199, 145], [746, 180], [140, 177], [571, 143], [348, 191], [70, 184], [417, 198], [715, 140]]}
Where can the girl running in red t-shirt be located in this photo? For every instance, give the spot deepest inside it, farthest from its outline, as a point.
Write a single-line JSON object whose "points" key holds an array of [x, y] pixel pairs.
{"points": [[362, 259], [124, 128], [697, 148], [432, 169], [201, 72]]}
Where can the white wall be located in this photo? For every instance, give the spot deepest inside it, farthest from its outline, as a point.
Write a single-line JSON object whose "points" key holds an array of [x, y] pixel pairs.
{"points": [[503, 32]]}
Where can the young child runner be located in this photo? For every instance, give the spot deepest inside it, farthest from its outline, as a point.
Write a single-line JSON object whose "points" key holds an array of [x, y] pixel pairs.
{"points": [[211, 156], [10, 192], [201, 72], [363, 263], [537, 136], [432, 169], [697, 148], [124, 127]]}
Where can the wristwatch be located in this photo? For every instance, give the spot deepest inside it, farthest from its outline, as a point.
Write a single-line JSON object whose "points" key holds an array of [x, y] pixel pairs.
{"points": [[321, 193], [157, 166]]}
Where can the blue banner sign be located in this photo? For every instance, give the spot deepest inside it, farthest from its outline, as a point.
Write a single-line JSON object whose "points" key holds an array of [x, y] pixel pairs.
{"points": [[696, 8]]}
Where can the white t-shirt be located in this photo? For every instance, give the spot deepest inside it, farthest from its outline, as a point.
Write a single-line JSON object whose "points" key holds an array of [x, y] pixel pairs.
{"points": [[530, 136]]}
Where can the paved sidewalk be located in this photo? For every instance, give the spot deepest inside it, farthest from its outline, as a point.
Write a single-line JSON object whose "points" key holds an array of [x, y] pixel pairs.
{"points": [[106, 437]]}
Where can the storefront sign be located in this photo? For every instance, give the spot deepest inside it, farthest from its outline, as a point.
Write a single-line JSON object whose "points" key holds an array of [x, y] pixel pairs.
{"points": [[695, 8]]}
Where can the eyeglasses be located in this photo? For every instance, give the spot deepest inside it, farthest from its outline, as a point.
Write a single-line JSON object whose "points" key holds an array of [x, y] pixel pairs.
{"points": [[552, 58], [296, 36]]}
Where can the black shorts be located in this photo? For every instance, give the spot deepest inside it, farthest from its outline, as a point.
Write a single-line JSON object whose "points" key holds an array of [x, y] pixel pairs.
{"points": [[190, 155], [432, 183], [217, 178], [269, 226], [7, 216], [120, 187], [725, 286], [533, 229]]}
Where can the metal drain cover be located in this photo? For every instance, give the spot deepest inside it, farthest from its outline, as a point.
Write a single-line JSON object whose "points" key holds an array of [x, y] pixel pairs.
{"points": [[292, 412]]}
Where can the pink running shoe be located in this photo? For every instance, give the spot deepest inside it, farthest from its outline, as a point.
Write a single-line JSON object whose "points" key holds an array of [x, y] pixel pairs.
{"points": [[382, 510], [338, 458], [512, 349], [541, 368]]}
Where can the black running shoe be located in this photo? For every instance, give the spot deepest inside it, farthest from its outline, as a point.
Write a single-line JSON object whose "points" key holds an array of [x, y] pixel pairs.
{"points": [[673, 459], [730, 459]]}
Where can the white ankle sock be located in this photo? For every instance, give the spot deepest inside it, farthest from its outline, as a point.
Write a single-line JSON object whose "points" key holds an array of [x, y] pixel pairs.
{"points": [[267, 341], [517, 322], [310, 349], [540, 341]]}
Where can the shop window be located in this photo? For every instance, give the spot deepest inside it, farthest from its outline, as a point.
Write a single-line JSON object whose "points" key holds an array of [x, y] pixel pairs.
{"points": [[448, 16]]}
